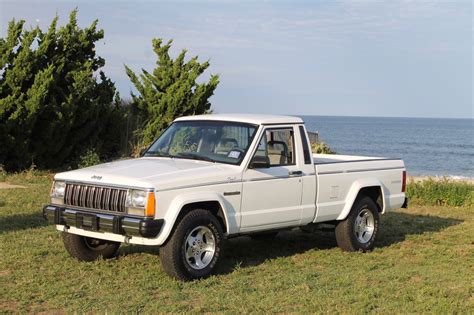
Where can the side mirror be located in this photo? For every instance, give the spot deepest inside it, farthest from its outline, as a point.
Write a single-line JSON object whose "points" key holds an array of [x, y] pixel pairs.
{"points": [[143, 151], [259, 161]]}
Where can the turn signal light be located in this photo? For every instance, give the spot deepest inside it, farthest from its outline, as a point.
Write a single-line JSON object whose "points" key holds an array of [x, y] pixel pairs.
{"points": [[150, 205]]}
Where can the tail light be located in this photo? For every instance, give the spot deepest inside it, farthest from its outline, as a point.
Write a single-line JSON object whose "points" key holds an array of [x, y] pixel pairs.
{"points": [[404, 181]]}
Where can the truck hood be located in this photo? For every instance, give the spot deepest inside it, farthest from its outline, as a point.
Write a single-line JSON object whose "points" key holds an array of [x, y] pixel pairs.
{"points": [[153, 172]]}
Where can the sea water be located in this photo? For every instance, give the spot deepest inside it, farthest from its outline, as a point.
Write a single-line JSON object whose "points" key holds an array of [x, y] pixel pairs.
{"points": [[429, 146]]}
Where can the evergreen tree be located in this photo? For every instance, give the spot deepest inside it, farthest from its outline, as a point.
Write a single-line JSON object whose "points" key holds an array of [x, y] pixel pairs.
{"points": [[170, 91], [54, 100]]}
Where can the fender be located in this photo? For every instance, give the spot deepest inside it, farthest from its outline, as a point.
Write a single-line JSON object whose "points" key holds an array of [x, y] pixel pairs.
{"points": [[354, 191], [202, 196]]}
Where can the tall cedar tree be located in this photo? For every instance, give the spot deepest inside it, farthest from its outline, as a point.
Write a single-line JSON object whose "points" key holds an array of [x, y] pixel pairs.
{"points": [[170, 91], [52, 105]]}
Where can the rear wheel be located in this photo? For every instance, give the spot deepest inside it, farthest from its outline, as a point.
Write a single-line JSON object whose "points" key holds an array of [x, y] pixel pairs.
{"points": [[87, 248], [193, 250], [358, 232]]}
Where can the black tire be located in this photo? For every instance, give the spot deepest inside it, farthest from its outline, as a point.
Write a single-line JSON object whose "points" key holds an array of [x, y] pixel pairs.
{"points": [[264, 236], [349, 237], [174, 254], [89, 249]]}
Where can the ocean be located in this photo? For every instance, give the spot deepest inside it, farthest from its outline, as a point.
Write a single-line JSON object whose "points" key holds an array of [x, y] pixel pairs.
{"points": [[429, 146]]}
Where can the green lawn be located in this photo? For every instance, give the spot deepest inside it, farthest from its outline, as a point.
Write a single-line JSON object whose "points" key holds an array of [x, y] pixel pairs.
{"points": [[424, 262]]}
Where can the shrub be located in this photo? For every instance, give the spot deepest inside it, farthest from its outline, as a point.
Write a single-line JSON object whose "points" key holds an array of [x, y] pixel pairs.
{"points": [[89, 158], [3, 174], [321, 148], [54, 100], [169, 91], [444, 192]]}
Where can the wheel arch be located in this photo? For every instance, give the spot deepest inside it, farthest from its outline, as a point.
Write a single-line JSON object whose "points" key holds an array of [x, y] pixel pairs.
{"points": [[212, 206], [372, 188], [182, 204]]}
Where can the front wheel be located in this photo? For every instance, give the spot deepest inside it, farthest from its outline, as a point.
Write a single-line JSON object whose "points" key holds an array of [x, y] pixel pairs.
{"points": [[89, 249], [192, 251], [358, 232]]}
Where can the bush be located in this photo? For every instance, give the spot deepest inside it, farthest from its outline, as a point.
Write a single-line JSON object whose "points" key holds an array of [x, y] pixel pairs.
{"points": [[54, 101], [3, 174], [169, 91], [321, 148], [90, 158], [443, 192]]}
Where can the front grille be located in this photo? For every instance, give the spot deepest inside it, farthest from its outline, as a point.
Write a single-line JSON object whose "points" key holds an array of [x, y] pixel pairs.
{"points": [[95, 197]]}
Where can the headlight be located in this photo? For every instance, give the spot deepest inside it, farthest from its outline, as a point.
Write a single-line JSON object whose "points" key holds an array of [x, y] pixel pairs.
{"points": [[136, 198], [58, 189], [140, 202], [57, 192]]}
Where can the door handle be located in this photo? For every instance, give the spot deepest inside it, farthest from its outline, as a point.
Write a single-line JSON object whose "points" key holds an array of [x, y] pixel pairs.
{"points": [[293, 173]]}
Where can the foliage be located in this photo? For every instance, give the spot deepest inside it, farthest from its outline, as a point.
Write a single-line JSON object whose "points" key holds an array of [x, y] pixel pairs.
{"points": [[405, 271], [3, 174], [127, 122], [89, 158], [170, 91], [184, 140], [321, 148], [54, 101], [441, 192]]}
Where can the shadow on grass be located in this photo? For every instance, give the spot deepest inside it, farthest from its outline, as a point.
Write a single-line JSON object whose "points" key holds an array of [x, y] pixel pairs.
{"points": [[241, 252], [18, 222], [138, 249], [395, 227], [244, 251]]}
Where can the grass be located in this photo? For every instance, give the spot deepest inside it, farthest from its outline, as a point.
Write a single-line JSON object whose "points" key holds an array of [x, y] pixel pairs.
{"points": [[444, 192], [423, 263]]}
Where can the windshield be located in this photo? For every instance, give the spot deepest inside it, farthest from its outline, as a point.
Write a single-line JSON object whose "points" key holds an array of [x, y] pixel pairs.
{"points": [[213, 141]]}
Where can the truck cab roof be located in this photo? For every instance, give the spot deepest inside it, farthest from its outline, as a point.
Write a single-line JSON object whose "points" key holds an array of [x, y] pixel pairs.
{"points": [[256, 119]]}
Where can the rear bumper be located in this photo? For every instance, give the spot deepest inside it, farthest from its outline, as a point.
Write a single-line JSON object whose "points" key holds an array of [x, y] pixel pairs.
{"points": [[405, 203], [100, 222]]}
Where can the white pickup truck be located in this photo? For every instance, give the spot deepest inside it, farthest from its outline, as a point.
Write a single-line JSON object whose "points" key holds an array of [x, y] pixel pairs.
{"points": [[211, 177]]}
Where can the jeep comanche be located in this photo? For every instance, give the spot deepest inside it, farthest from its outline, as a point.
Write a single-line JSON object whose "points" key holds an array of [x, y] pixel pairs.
{"points": [[212, 177]]}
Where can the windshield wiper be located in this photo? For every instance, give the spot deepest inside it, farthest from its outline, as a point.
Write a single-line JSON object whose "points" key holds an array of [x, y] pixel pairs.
{"points": [[158, 154], [193, 156], [182, 155]]}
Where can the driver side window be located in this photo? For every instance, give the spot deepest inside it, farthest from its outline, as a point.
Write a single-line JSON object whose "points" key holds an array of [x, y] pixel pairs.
{"points": [[278, 145]]}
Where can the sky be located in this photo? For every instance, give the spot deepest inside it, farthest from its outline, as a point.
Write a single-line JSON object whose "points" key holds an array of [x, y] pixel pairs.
{"points": [[342, 58]]}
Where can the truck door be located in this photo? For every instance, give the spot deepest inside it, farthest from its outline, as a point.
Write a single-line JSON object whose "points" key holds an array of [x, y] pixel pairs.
{"points": [[272, 188]]}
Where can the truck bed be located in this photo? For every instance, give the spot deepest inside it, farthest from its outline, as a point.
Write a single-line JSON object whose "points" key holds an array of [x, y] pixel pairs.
{"points": [[334, 163], [337, 158], [339, 178]]}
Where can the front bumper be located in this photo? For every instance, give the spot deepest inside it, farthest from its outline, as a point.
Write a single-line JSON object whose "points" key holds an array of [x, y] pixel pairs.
{"points": [[101, 222]]}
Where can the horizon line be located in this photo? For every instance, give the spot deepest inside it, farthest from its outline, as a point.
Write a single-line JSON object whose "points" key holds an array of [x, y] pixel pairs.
{"points": [[418, 117], [360, 116]]}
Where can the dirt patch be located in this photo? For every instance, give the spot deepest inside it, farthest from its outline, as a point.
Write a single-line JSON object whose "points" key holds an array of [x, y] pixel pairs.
{"points": [[10, 186]]}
